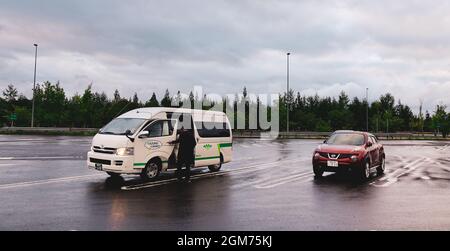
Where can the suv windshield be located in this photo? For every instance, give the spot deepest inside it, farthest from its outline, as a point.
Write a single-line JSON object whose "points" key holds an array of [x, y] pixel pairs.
{"points": [[346, 139], [120, 125]]}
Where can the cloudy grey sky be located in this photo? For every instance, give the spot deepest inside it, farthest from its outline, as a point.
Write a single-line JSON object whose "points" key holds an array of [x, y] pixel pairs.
{"points": [[402, 47]]}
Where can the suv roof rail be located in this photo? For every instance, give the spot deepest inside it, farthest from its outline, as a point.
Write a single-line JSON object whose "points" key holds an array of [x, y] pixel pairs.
{"points": [[344, 131]]}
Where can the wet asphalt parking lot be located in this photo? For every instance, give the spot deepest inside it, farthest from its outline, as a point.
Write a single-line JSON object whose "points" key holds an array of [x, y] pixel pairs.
{"points": [[269, 185]]}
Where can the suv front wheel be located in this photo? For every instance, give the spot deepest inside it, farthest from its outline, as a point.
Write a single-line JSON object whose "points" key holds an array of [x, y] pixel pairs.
{"points": [[363, 173], [318, 172]]}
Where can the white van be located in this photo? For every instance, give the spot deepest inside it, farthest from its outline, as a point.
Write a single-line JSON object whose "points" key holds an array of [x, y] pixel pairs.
{"points": [[138, 141]]}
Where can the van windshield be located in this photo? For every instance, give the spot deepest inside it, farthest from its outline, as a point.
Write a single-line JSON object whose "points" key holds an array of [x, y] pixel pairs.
{"points": [[120, 125], [346, 139]]}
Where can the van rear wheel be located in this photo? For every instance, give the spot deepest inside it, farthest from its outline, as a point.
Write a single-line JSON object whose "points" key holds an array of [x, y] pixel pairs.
{"points": [[113, 175], [216, 168], [151, 170]]}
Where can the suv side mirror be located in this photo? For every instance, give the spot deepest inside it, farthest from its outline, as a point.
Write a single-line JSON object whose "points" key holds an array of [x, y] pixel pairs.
{"points": [[369, 144]]}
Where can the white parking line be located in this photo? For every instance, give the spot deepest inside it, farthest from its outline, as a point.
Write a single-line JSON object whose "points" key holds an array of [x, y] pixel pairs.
{"points": [[241, 170], [41, 157], [284, 180], [393, 177], [47, 181], [6, 164]]}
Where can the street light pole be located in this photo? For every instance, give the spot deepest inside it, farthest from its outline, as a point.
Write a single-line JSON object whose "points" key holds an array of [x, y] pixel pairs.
{"points": [[34, 85], [367, 109], [287, 91]]}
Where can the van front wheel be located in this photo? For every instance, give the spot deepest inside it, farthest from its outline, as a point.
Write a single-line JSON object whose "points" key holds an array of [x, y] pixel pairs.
{"points": [[150, 171]]}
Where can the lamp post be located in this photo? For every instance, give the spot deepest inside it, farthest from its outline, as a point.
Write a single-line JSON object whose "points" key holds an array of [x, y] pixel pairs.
{"points": [[367, 109], [34, 84], [287, 91]]}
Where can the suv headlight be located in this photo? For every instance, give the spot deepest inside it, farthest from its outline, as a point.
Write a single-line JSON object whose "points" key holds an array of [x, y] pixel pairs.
{"points": [[125, 151], [354, 158]]}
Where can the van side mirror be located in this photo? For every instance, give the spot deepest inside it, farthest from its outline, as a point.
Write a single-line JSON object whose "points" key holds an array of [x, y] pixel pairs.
{"points": [[127, 134], [143, 134]]}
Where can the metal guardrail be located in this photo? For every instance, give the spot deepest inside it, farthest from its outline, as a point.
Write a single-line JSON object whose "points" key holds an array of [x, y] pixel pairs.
{"points": [[59, 129], [320, 135], [236, 133]]}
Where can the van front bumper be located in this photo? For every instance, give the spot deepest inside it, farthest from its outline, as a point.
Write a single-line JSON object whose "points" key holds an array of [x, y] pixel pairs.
{"points": [[112, 163]]}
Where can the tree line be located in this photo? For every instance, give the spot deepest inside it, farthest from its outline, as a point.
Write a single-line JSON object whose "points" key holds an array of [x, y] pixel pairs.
{"points": [[53, 108]]}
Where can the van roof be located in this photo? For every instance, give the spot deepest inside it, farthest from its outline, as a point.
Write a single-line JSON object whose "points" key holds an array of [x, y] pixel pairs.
{"points": [[148, 112]]}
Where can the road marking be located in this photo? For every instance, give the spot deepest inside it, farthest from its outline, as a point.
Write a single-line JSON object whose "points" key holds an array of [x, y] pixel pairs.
{"points": [[442, 166], [282, 181], [393, 177], [42, 157], [6, 164], [48, 181], [241, 170]]}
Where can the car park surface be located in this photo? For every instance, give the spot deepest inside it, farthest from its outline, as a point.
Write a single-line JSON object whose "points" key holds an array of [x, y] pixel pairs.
{"points": [[269, 185]]}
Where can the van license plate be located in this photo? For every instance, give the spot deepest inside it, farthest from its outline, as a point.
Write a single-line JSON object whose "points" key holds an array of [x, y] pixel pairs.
{"points": [[98, 167], [332, 163]]}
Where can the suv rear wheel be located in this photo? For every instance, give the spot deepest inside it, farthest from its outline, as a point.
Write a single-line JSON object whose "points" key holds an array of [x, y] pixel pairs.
{"points": [[382, 167]]}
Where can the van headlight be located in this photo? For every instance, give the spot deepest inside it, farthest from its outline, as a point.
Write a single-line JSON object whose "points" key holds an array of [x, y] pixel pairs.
{"points": [[123, 151]]}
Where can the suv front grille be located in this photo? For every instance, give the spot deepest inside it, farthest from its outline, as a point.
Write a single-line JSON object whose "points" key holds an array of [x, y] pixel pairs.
{"points": [[339, 155]]}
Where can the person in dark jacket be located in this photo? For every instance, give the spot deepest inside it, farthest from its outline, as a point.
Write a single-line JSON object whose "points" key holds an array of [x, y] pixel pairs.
{"points": [[186, 152]]}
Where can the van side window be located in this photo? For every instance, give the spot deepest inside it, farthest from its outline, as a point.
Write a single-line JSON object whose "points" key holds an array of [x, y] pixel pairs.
{"points": [[160, 128], [212, 129]]}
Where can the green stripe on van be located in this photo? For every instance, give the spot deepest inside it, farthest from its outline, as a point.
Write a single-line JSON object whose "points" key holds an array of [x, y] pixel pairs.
{"points": [[205, 158], [201, 158], [143, 164]]}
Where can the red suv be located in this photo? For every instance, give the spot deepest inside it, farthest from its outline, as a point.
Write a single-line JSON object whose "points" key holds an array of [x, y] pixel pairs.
{"points": [[358, 152]]}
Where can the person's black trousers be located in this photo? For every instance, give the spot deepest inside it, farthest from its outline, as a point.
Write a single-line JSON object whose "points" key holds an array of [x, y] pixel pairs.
{"points": [[184, 162]]}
